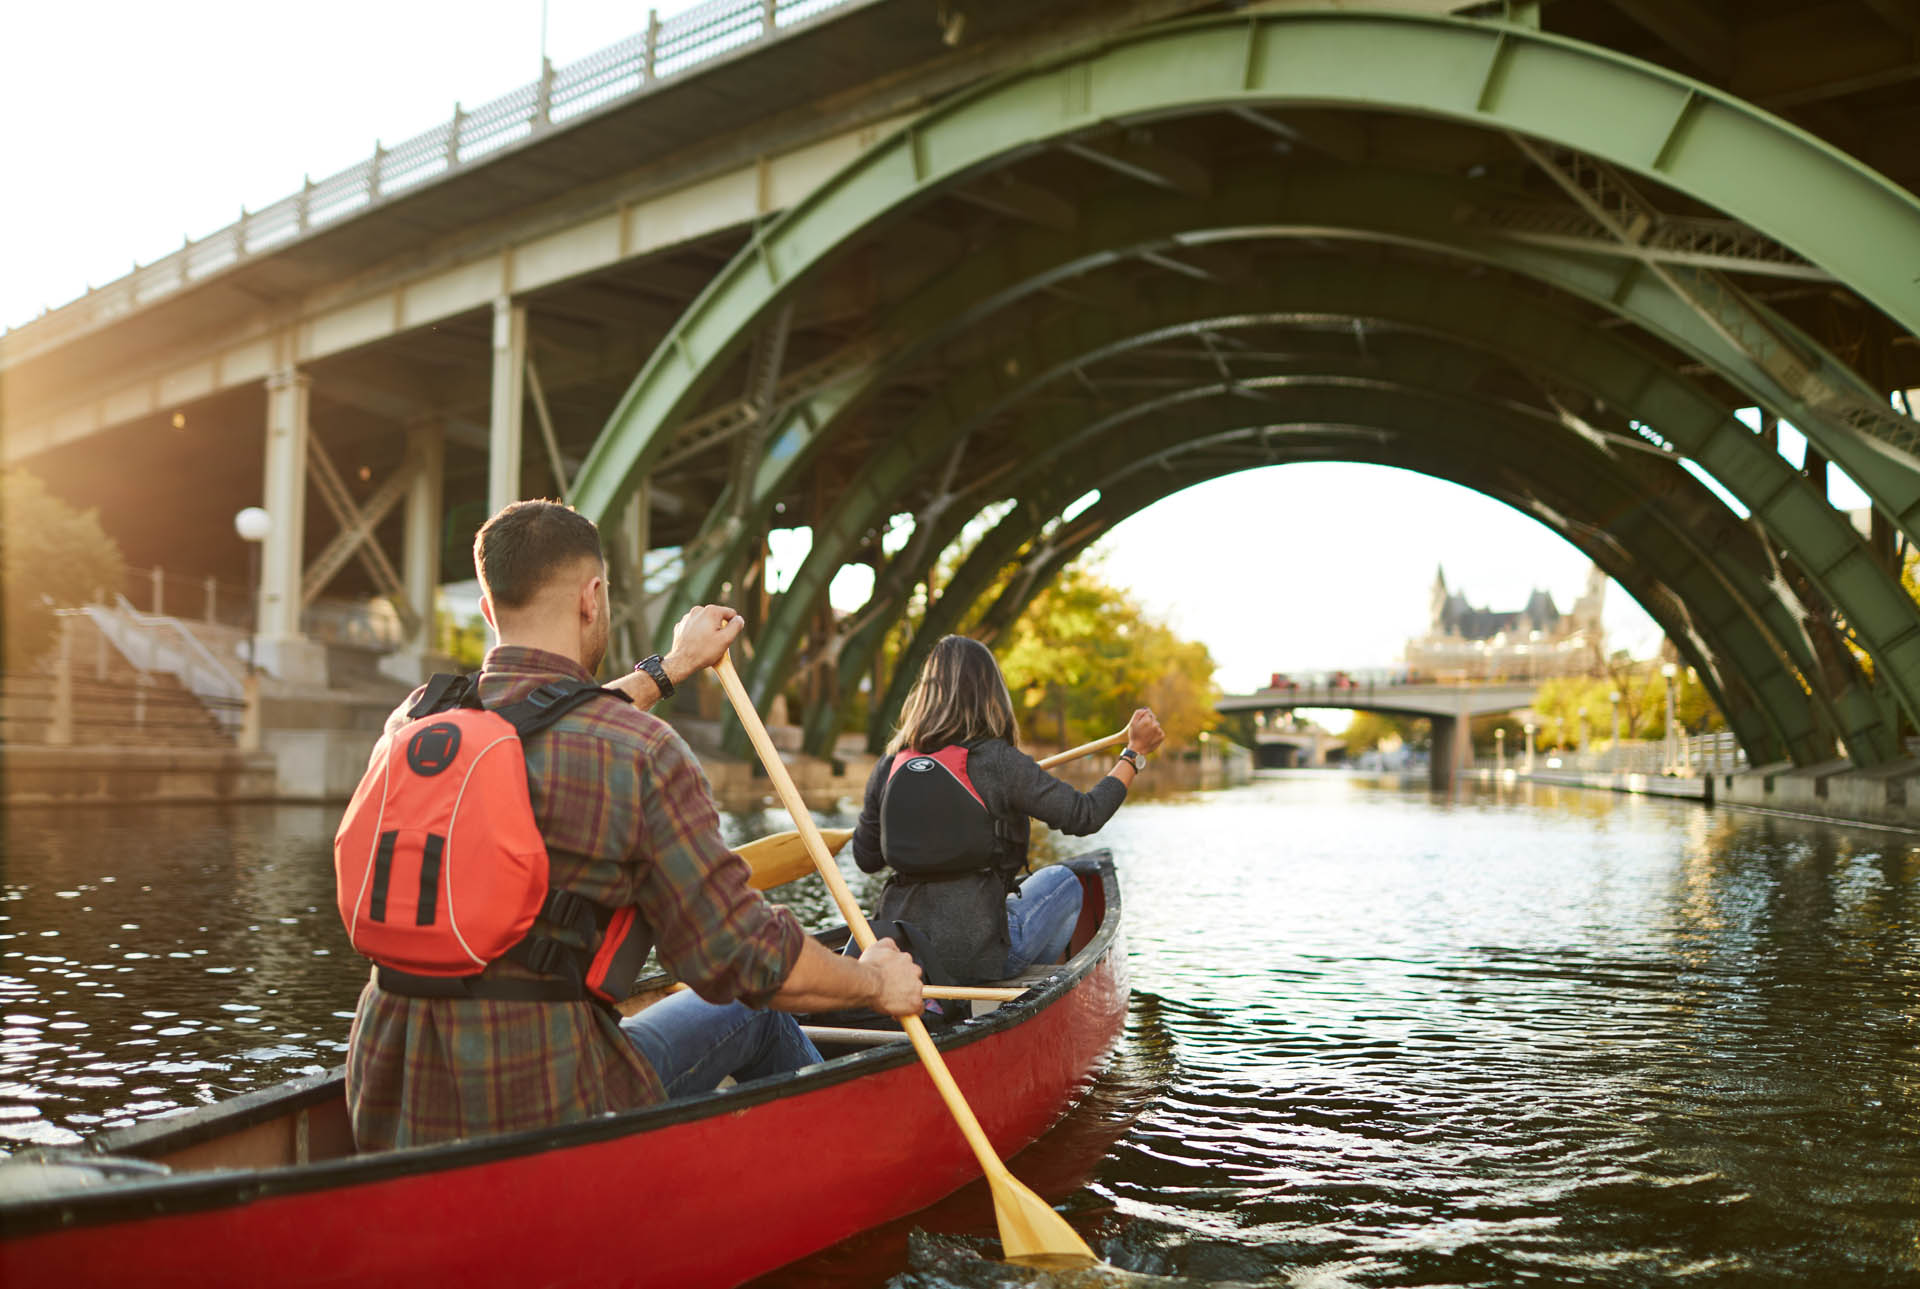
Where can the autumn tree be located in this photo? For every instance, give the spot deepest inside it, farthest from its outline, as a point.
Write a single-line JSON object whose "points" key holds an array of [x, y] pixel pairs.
{"points": [[52, 556], [1085, 654]]}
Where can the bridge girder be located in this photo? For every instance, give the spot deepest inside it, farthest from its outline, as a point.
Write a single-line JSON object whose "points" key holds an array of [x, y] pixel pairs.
{"points": [[1481, 315], [1642, 119], [1696, 554]]}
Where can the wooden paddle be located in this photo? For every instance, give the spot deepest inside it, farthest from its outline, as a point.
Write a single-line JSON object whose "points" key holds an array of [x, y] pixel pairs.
{"points": [[1075, 753], [783, 857], [1030, 1231]]}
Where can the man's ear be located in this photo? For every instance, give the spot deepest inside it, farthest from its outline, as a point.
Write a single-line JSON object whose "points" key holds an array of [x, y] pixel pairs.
{"points": [[590, 598]]}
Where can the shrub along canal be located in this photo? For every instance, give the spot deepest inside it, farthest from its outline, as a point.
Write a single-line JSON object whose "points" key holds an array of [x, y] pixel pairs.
{"points": [[1535, 1035]]}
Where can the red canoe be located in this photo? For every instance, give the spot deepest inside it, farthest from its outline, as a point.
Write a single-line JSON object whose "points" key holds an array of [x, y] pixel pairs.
{"points": [[712, 1190]]}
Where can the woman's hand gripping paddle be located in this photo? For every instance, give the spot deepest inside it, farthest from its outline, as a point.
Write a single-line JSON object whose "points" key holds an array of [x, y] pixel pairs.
{"points": [[1030, 1231]]}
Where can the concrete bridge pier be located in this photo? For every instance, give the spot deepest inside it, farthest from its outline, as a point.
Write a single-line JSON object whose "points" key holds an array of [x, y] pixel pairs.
{"points": [[1452, 750], [284, 650], [421, 539]]}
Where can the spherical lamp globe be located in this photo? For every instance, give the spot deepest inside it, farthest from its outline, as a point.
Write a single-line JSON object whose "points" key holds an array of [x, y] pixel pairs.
{"points": [[253, 524]]}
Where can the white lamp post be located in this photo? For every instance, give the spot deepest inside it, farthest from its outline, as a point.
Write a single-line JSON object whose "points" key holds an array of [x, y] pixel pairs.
{"points": [[1670, 670], [253, 525]]}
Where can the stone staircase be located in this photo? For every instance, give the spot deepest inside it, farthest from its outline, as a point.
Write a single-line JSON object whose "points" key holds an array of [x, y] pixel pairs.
{"points": [[113, 703]]}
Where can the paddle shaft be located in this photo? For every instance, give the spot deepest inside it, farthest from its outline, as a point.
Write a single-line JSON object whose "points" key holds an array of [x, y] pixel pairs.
{"points": [[1075, 753], [856, 921]]}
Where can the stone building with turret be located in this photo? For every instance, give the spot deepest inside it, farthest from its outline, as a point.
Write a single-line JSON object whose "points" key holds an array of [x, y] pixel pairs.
{"points": [[1465, 642]]}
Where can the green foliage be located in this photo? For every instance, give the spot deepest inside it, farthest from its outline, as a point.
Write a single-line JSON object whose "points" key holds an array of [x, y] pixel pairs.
{"points": [[1485, 730], [1085, 654], [1563, 701], [51, 557], [463, 641], [1368, 730]]}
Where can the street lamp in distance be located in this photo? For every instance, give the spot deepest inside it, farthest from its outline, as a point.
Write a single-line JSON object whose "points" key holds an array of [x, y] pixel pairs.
{"points": [[1670, 670], [253, 525]]}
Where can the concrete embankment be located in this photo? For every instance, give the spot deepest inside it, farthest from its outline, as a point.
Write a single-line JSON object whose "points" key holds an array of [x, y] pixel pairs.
{"points": [[1885, 796]]}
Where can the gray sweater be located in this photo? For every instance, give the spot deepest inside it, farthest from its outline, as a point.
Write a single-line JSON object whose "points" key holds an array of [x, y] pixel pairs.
{"points": [[965, 917]]}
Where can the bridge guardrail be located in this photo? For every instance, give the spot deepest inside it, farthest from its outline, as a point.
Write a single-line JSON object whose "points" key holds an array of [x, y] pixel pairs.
{"points": [[621, 70]]}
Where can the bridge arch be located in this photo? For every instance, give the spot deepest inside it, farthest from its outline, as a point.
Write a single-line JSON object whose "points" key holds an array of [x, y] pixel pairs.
{"points": [[1370, 206], [1484, 316], [1679, 552], [1522, 83]]}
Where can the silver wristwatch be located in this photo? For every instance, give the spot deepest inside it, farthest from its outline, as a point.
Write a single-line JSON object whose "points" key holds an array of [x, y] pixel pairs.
{"points": [[1134, 759]]}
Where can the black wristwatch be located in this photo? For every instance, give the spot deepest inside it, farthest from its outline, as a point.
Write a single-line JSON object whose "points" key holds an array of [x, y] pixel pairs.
{"points": [[1134, 759], [657, 672]]}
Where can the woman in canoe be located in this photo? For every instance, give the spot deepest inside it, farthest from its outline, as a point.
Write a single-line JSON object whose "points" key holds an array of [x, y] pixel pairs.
{"points": [[947, 811]]}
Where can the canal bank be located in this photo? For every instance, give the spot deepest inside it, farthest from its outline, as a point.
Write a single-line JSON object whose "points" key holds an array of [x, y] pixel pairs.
{"points": [[1887, 796]]}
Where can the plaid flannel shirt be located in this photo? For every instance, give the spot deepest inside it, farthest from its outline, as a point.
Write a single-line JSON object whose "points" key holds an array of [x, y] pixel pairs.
{"points": [[628, 820]]}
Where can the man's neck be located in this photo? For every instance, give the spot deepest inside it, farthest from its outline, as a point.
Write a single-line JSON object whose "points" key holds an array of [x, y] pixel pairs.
{"points": [[545, 642]]}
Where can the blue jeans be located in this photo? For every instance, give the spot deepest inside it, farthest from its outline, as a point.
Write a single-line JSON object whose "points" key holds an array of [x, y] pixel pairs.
{"points": [[1041, 916], [693, 1044]]}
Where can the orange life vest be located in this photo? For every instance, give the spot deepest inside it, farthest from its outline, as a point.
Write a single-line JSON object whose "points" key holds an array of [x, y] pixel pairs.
{"points": [[440, 869]]}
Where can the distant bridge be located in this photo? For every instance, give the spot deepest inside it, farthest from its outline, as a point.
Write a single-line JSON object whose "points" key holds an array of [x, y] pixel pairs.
{"points": [[1449, 707]]}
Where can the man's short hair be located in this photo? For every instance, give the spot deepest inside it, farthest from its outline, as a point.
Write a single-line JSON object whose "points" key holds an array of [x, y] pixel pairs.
{"points": [[526, 545]]}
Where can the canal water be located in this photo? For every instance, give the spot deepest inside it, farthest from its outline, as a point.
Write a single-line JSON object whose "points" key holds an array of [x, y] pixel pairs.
{"points": [[1526, 1036]]}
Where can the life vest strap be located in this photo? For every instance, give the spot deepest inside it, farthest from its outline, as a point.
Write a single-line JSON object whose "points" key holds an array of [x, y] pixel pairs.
{"points": [[506, 990]]}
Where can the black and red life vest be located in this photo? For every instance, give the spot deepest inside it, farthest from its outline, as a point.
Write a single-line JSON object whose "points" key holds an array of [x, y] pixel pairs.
{"points": [[440, 869], [934, 822]]}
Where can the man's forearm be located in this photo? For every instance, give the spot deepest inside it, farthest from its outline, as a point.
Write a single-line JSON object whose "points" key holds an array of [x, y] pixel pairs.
{"points": [[639, 686], [823, 980]]}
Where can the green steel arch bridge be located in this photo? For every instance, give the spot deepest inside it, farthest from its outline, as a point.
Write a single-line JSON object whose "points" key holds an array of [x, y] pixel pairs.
{"points": [[848, 262]]}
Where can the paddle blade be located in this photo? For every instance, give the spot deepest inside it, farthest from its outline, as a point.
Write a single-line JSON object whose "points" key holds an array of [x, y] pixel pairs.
{"points": [[783, 858], [1031, 1233]]}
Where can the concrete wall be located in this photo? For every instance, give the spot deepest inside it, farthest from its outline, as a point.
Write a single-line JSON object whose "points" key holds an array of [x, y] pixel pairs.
{"points": [[132, 775]]}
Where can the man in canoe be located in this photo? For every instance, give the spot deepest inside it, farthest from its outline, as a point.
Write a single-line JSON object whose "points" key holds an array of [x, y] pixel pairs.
{"points": [[451, 1040]]}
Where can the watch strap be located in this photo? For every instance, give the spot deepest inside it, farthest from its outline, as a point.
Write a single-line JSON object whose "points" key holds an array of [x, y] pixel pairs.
{"points": [[657, 672]]}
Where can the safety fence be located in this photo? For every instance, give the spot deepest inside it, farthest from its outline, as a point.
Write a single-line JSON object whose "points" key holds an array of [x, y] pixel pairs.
{"points": [[634, 66], [1692, 754], [204, 601]]}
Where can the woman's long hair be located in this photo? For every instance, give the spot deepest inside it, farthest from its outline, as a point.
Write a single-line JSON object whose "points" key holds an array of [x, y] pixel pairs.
{"points": [[961, 697]]}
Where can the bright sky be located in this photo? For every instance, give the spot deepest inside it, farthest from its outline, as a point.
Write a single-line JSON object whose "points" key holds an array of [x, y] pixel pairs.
{"points": [[176, 117], [132, 124]]}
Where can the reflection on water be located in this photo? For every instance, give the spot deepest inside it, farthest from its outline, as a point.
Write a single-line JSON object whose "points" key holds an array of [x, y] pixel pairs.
{"points": [[156, 958], [1536, 1037]]}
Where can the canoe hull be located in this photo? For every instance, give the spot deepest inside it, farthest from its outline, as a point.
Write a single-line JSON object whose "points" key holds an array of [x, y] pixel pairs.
{"points": [[707, 1192]]}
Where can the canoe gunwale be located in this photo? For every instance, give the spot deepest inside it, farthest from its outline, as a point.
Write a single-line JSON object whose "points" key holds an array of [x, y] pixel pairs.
{"points": [[215, 1188]]}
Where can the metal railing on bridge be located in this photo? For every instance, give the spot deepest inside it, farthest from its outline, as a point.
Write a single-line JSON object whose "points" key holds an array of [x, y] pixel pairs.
{"points": [[1694, 754], [631, 67]]}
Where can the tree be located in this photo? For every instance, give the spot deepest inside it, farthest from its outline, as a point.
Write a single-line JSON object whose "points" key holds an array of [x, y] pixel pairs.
{"points": [[52, 556], [463, 641], [1085, 654], [1368, 730]]}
